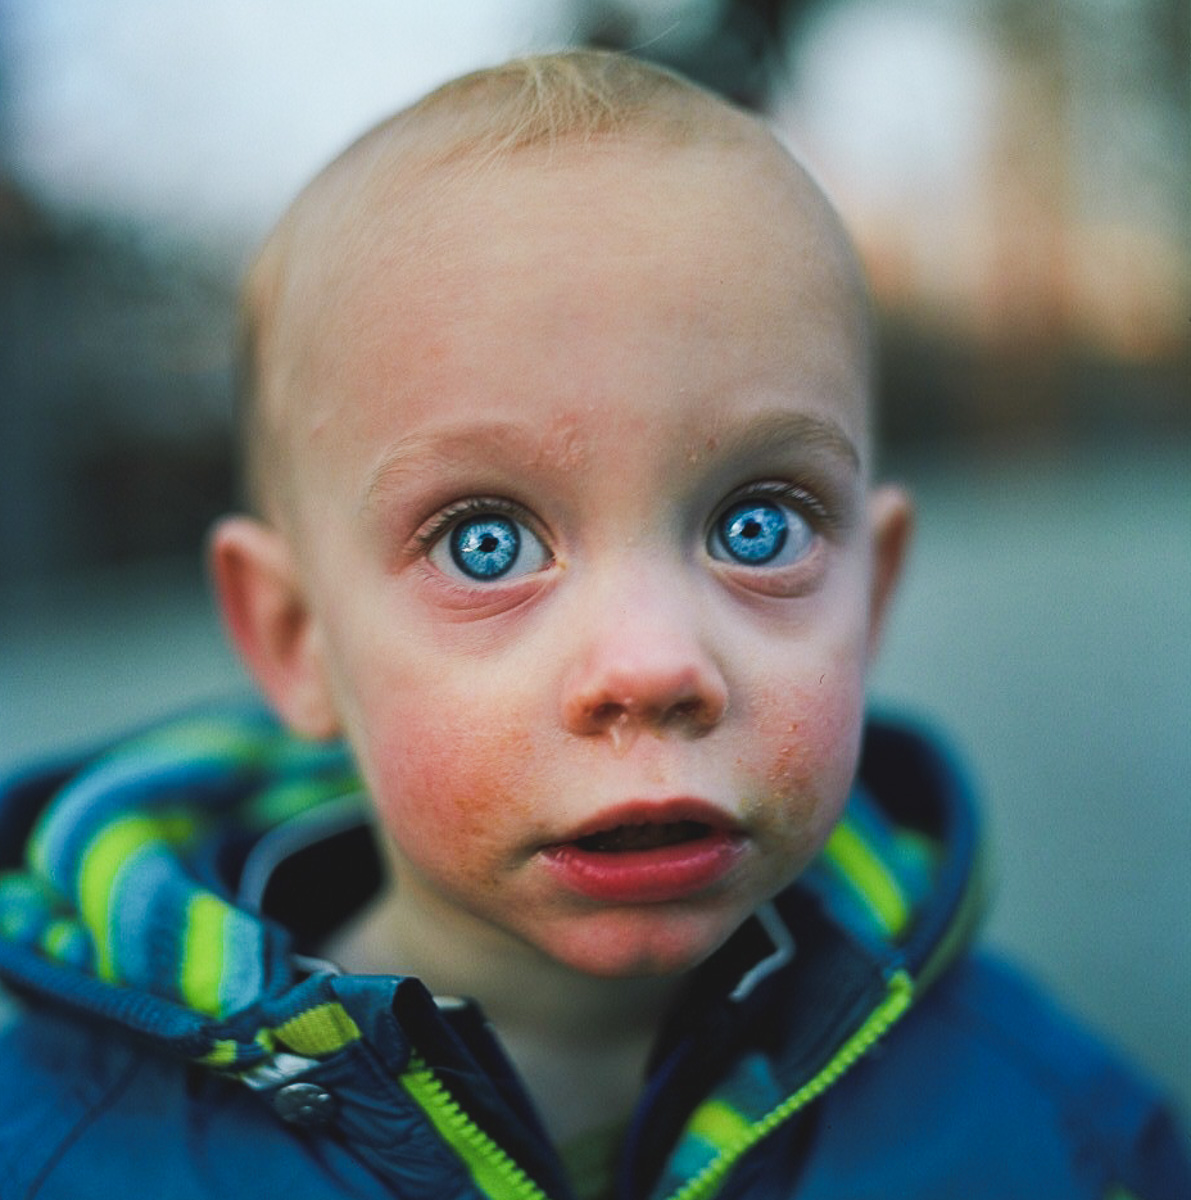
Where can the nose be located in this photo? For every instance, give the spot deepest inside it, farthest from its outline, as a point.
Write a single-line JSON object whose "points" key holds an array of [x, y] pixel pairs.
{"points": [[644, 665]]}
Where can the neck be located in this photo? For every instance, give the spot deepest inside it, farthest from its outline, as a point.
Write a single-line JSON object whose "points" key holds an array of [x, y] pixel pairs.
{"points": [[557, 1024]]}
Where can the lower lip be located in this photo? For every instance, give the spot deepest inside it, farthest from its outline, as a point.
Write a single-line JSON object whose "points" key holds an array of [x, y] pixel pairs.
{"points": [[646, 876]]}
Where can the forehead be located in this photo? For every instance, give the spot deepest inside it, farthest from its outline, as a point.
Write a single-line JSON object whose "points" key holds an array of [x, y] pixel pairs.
{"points": [[556, 264]]}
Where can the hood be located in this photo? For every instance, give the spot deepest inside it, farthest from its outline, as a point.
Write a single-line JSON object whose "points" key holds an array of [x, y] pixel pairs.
{"points": [[133, 885], [114, 896]]}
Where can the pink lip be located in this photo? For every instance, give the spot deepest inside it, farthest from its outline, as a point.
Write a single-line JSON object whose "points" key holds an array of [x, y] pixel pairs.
{"points": [[654, 875]]}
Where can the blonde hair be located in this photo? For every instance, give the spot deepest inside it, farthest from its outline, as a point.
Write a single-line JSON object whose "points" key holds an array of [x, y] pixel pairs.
{"points": [[466, 126], [575, 95]]}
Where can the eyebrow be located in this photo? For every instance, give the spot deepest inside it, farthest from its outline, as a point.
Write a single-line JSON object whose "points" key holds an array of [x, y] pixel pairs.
{"points": [[431, 452], [777, 430], [781, 430]]}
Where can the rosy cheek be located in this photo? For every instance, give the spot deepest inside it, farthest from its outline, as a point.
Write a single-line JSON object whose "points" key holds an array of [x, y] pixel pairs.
{"points": [[447, 786], [803, 749]]}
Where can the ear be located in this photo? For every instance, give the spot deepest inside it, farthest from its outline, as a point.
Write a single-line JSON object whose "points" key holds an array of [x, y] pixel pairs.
{"points": [[891, 522], [266, 613]]}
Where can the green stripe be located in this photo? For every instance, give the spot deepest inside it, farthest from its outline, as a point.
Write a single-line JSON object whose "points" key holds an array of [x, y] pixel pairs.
{"points": [[99, 867], [968, 915], [204, 740], [898, 995], [319, 1031], [496, 1175], [225, 1053], [718, 1124], [201, 969], [856, 860], [222, 1054], [59, 935], [287, 799]]}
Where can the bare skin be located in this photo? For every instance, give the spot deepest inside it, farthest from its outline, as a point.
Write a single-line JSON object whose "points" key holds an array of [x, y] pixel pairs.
{"points": [[555, 1024], [632, 347]]}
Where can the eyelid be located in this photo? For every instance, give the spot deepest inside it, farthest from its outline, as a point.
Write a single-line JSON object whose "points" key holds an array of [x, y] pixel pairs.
{"points": [[445, 519], [802, 499]]}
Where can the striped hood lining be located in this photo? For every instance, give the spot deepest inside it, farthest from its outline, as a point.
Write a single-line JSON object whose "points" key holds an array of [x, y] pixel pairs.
{"points": [[119, 898]]}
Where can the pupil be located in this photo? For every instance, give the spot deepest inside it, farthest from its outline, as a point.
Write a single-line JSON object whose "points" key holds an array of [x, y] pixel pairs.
{"points": [[485, 547], [755, 532]]}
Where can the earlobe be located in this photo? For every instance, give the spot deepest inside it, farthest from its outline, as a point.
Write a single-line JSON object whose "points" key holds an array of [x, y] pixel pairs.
{"points": [[891, 521], [265, 611]]}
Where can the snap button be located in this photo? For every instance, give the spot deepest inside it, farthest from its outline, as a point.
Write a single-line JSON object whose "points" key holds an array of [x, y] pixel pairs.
{"points": [[304, 1104]]}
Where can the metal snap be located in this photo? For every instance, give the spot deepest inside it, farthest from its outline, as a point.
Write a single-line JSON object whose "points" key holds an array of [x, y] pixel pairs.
{"points": [[304, 1104]]}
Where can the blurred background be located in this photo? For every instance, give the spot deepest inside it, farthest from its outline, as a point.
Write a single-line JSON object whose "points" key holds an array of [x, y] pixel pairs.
{"points": [[1018, 176]]}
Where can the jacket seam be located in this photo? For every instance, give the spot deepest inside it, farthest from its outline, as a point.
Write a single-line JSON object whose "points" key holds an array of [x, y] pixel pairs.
{"points": [[80, 1127]]}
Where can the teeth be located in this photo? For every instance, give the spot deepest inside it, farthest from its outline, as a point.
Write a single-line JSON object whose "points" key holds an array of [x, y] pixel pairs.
{"points": [[642, 837]]}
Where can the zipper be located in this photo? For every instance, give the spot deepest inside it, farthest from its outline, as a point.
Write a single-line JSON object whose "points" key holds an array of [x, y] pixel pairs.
{"points": [[496, 1174], [500, 1178], [898, 995]]}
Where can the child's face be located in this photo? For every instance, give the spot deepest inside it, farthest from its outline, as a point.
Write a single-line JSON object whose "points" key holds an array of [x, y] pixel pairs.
{"points": [[584, 545]]}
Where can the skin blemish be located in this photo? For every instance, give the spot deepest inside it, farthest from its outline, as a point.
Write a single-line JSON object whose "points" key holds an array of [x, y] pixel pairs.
{"points": [[562, 448], [695, 454]]}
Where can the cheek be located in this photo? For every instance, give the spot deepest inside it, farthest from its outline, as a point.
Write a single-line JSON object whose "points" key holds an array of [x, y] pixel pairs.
{"points": [[449, 785], [802, 751]]}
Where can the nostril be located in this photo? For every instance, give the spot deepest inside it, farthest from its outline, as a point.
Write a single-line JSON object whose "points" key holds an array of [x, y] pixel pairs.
{"points": [[695, 713], [644, 695], [607, 712]]}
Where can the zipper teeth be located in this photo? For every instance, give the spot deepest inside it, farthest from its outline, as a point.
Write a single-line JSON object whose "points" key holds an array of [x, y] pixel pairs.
{"points": [[429, 1091], [432, 1093], [897, 1000]]}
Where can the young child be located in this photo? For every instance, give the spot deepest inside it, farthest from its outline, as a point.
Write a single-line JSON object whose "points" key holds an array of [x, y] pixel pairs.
{"points": [[570, 867]]}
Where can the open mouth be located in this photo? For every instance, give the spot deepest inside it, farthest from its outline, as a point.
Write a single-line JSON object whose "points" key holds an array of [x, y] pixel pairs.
{"points": [[622, 839], [647, 853]]}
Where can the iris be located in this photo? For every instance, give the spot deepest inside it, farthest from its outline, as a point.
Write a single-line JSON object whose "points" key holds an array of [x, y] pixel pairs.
{"points": [[485, 547], [754, 532]]}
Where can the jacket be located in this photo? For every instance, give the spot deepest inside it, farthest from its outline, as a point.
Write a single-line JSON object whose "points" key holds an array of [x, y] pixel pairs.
{"points": [[172, 1038]]}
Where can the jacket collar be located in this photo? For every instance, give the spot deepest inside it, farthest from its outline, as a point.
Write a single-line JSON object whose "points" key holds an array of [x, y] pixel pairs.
{"points": [[125, 909]]}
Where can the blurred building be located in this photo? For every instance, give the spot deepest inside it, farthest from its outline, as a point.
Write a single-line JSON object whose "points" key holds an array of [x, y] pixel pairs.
{"points": [[114, 396], [1017, 175]]}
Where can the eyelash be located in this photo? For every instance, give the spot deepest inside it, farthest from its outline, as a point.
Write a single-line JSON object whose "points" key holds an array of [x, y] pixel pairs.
{"points": [[817, 513], [474, 506]]}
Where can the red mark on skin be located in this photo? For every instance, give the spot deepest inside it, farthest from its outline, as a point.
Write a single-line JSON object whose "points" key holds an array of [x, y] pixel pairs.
{"points": [[804, 748], [562, 448], [709, 447]]}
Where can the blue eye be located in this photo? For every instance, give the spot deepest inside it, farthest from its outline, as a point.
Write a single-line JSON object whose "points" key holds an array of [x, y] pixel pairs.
{"points": [[485, 548], [760, 532], [488, 547]]}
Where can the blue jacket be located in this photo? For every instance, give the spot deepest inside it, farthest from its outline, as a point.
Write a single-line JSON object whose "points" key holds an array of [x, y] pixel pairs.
{"points": [[172, 1040]]}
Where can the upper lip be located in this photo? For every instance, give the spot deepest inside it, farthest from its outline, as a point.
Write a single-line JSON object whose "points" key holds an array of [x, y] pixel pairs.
{"points": [[654, 812]]}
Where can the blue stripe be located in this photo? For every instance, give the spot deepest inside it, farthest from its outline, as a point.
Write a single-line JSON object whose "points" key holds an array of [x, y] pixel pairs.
{"points": [[116, 789], [243, 962], [148, 901]]}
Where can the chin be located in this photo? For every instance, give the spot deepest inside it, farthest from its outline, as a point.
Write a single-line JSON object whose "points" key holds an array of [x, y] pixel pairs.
{"points": [[649, 942]]}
